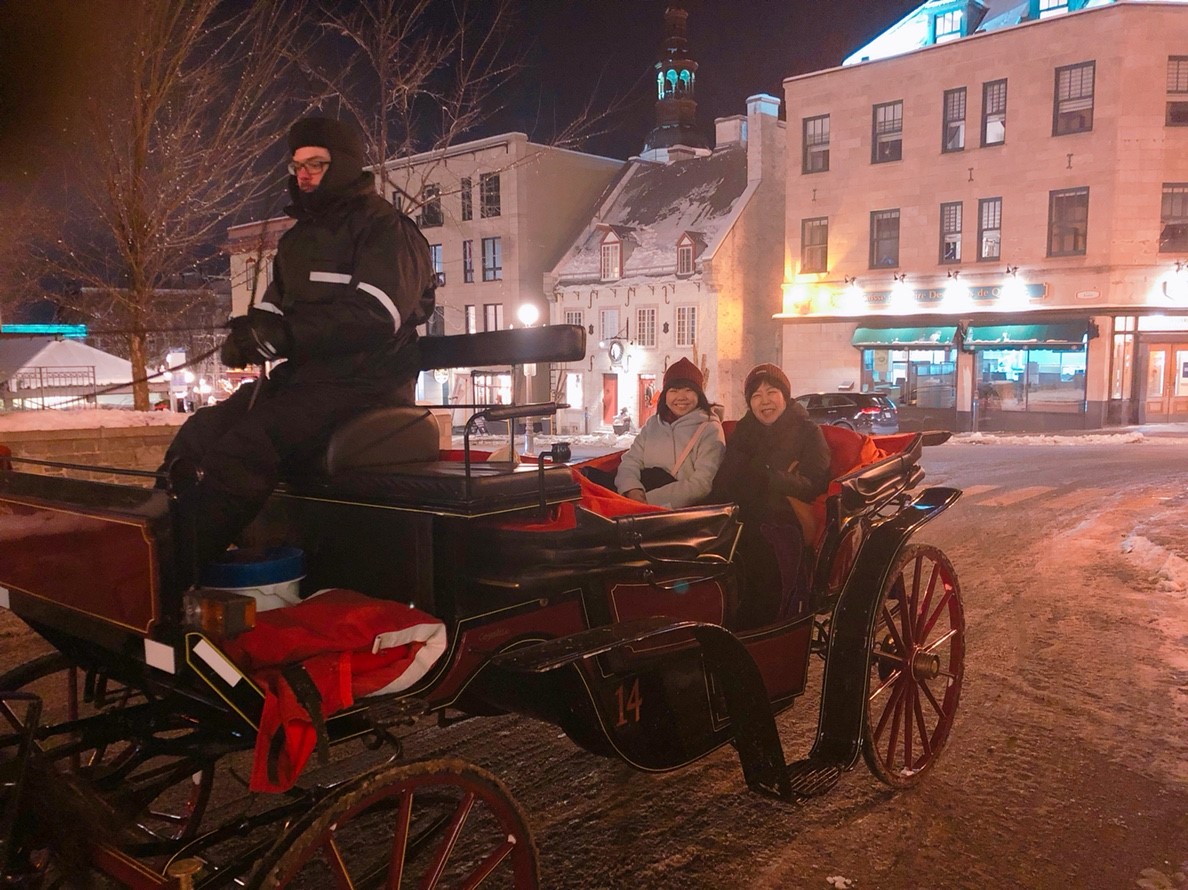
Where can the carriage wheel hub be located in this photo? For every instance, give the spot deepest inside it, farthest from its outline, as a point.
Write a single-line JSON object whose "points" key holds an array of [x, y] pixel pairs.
{"points": [[926, 666]]}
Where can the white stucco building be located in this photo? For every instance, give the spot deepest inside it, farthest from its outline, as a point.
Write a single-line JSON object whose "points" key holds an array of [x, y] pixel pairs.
{"points": [[987, 216]]}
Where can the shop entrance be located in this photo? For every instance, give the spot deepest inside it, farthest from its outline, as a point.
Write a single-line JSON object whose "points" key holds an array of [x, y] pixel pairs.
{"points": [[647, 397], [610, 398], [1165, 396]]}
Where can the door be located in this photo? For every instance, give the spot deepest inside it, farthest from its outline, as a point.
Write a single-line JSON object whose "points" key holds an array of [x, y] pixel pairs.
{"points": [[610, 398], [649, 394], [1166, 396]]}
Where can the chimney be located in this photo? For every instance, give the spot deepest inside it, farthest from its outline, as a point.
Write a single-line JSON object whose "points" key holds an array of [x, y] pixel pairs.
{"points": [[730, 130], [680, 153]]}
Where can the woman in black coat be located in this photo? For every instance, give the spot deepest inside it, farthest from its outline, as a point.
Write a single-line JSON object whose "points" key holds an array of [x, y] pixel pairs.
{"points": [[774, 453]]}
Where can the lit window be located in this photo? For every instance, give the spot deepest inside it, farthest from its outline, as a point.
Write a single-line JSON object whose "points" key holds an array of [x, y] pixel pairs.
{"points": [[887, 133], [950, 232], [814, 244], [645, 326], [1173, 218], [612, 261], [1073, 108], [608, 320], [953, 137], [989, 229], [471, 319], [575, 316], [1052, 7], [994, 103], [884, 238], [489, 195], [816, 144], [1068, 222], [492, 259], [468, 262], [686, 325], [492, 316], [685, 259], [948, 25]]}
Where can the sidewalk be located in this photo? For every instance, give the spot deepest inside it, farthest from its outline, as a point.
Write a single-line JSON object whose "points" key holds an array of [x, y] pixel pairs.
{"points": [[1146, 430]]}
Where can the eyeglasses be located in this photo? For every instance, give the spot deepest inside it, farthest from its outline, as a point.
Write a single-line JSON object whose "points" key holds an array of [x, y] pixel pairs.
{"points": [[313, 168]]}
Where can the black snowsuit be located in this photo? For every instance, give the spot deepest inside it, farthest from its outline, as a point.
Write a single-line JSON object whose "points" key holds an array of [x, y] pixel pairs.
{"points": [[755, 474], [352, 280]]}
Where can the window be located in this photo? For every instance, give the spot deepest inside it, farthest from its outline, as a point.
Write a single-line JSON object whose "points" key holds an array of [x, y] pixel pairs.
{"points": [[1068, 221], [887, 133], [989, 229], [814, 244], [489, 195], [575, 316], [1177, 84], [467, 199], [1073, 105], [1048, 8], [492, 316], [686, 325], [994, 98], [884, 238], [684, 259], [608, 320], [950, 232], [430, 207], [468, 262], [953, 135], [438, 265], [948, 25], [471, 319], [1173, 218], [645, 326], [815, 158], [435, 326], [492, 259], [612, 260]]}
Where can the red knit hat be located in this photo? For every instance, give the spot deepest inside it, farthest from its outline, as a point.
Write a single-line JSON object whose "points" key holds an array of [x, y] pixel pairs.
{"points": [[767, 373], [684, 371]]}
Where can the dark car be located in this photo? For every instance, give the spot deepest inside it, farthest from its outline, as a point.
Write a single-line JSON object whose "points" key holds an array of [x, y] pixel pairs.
{"points": [[865, 412]]}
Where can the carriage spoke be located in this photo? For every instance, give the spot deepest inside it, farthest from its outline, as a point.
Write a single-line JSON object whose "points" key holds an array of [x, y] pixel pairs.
{"points": [[941, 608], [451, 838], [925, 736], [931, 698], [921, 632], [333, 857], [400, 840]]}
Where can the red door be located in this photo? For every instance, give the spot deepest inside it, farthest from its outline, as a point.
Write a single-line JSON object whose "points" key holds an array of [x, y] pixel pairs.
{"points": [[610, 398], [649, 395]]}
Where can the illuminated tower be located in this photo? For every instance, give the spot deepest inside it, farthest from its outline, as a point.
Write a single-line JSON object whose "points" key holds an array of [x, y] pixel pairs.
{"points": [[676, 95]]}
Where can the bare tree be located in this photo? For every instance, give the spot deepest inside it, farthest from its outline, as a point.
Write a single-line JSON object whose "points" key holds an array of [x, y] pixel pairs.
{"points": [[175, 135], [25, 222]]}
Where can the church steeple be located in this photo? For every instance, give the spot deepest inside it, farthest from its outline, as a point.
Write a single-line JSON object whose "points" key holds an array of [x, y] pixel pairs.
{"points": [[676, 97]]}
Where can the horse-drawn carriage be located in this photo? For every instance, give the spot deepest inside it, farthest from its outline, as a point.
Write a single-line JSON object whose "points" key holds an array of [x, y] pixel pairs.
{"points": [[450, 585]]}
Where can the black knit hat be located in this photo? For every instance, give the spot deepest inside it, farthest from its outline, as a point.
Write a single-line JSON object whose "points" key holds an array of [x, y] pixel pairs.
{"points": [[770, 374], [341, 139]]}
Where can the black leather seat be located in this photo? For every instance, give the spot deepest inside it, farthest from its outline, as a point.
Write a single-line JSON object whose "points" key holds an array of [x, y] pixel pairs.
{"points": [[383, 441]]}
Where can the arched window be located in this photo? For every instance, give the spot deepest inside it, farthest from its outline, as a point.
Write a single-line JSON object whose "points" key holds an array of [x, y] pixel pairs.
{"points": [[684, 81], [672, 81], [659, 84]]}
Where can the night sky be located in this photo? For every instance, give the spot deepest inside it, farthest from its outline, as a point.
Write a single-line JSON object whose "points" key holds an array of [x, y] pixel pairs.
{"points": [[573, 49]]}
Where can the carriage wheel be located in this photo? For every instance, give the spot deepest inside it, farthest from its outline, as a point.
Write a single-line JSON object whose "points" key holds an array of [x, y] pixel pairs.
{"points": [[917, 662], [433, 823], [173, 814]]}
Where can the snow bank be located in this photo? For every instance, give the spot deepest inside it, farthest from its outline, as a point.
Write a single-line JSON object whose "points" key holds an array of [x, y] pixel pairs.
{"points": [[1169, 569], [1127, 438], [85, 419]]}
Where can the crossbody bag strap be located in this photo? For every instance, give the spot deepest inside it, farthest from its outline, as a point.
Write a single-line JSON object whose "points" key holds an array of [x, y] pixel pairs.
{"points": [[689, 447]]}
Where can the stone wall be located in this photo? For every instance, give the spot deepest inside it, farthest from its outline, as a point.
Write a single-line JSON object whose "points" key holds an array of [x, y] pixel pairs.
{"points": [[137, 447]]}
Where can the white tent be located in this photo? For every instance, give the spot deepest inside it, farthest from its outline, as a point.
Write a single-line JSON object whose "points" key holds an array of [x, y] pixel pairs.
{"points": [[47, 372]]}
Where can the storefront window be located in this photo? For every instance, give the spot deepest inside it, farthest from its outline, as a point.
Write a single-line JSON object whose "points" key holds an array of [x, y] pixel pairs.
{"points": [[1034, 380], [926, 378], [1120, 366]]}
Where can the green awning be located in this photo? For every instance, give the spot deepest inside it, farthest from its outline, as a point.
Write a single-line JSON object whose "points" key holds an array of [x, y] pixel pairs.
{"points": [[941, 335], [1067, 333]]}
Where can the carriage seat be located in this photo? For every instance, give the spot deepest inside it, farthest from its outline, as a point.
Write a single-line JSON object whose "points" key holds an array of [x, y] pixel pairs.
{"points": [[383, 441]]}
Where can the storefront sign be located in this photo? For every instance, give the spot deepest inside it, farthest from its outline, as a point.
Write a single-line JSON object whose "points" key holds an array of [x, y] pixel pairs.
{"points": [[983, 293]]}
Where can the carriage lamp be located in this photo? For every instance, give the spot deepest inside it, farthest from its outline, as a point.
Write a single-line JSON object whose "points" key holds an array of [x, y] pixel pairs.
{"points": [[219, 613]]}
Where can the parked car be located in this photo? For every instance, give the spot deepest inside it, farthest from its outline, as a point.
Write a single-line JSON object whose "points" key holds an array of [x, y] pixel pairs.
{"points": [[866, 412]]}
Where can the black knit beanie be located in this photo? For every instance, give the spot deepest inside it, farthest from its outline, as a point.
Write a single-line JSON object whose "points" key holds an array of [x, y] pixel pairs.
{"points": [[769, 374], [341, 139]]}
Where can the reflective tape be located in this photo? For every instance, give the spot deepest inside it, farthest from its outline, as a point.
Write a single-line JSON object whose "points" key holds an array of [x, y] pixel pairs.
{"points": [[384, 299]]}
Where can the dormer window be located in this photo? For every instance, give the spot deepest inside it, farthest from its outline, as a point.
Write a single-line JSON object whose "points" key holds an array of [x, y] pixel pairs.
{"points": [[1051, 7], [686, 253], [948, 25], [612, 257]]}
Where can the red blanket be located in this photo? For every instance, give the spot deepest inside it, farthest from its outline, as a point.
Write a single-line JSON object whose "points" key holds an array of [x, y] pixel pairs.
{"points": [[349, 645]]}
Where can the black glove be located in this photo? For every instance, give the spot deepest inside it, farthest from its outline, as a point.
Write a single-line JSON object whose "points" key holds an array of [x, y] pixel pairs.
{"points": [[255, 338]]}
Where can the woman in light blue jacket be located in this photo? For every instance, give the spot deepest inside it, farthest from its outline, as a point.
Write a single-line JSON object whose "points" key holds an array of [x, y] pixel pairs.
{"points": [[673, 460]]}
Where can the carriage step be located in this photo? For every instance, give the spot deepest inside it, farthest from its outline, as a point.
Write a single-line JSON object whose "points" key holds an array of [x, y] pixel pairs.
{"points": [[812, 778]]}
